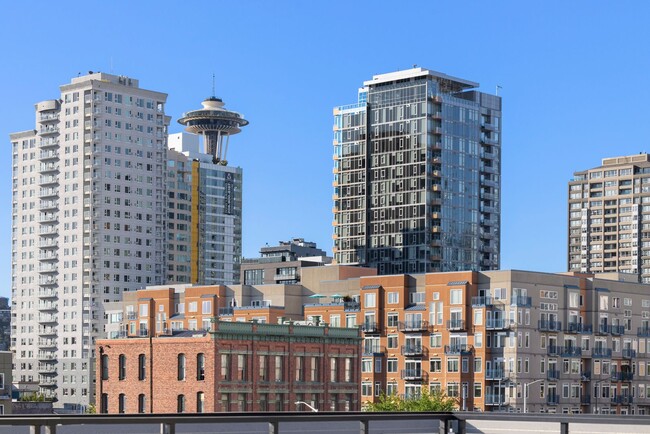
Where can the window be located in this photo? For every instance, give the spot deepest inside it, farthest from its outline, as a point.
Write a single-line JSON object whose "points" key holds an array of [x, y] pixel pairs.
{"points": [[370, 300], [436, 340], [333, 370], [366, 388], [392, 341], [348, 370], [181, 368], [242, 372], [435, 365], [393, 297], [104, 361], [200, 366], [452, 364], [392, 319], [200, 402], [278, 369], [206, 307], [180, 404], [391, 365], [192, 306], [142, 403], [122, 367], [478, 317], [144, 309], [478, 364], [299, 368], [142, 367], [456, 296], [225, 367], [366, 365], [103, 404], [121, 403]]}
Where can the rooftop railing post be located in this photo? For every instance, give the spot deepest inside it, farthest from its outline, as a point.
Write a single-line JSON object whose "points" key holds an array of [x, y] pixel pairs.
{"points": [[34, 429], [167, 428], [274, 427], [363, 426], [564, 428]]}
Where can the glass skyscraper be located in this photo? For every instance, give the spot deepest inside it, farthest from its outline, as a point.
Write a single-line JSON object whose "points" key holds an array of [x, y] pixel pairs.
{"points": [[417, 164]]}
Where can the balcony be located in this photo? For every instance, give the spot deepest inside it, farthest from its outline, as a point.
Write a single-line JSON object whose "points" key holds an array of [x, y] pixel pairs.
{"points": [[497, 324], [494, 399], [629, 353], [601, 353], [585, 400], [618, 330], [413, 326], [552, 375], [643, 332], [455, 324], [604, 329], [520, 301], [370, 327], [621, 400], [549, 326], [553, 400], [457, 349], [50, 129], [413, 350], [585, 376], [495, 374], [369, 350], [351, 306], [622, 376], [412, 374], [578, 327], [479, 301]]}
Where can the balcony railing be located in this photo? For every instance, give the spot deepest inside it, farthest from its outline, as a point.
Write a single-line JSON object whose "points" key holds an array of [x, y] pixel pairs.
{"points": [[412, 374], [585, 400], [551, 326], [455, 324], [369, 350], [520, 301], [643, 332], [413, 326], [457, 349], [622, 376], [370, 327], [618, 330], [601, 352], [629, 353], [495, 374], [578, 327], [497, 324], [552, 375], [479, 301], [495, 399], [621, 400], [413, 350], [552, 399]]}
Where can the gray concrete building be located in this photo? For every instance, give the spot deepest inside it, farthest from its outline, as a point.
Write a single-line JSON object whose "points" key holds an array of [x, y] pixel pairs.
{"points": [[609, 214], [88, 223], [417, 175], [282, 263]]}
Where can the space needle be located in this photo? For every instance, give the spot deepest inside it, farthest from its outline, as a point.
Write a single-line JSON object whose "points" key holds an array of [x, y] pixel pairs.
{"points": [[216, 125]]}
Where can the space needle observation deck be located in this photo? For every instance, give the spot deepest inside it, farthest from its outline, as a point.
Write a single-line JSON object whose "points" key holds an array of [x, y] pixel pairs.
{"points": [[216, 125]]}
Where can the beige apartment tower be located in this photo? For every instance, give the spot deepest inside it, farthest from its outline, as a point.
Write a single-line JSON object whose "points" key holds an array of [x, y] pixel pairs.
{"points": [[609, 218], [88, 223]]}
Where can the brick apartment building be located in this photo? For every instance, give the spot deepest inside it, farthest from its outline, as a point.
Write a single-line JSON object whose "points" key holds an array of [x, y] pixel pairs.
{"points": [[235, 366]]}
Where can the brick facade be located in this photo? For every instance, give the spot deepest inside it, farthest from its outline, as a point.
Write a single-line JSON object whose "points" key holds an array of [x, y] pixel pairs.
{"points": [[247, 367]]}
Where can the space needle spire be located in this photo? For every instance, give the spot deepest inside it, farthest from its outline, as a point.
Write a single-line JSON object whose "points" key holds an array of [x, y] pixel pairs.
{"points": [[215, 124]]}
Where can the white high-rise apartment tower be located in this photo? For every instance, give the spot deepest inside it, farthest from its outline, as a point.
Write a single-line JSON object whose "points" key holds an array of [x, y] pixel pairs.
{"points": [[88, 219]]}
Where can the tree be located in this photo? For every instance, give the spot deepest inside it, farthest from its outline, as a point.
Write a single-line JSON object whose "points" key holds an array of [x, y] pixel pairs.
{"points": [[436, 400]]}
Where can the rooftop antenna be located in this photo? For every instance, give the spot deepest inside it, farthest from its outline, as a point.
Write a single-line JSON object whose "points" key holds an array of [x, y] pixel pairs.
{"points": [[497, 91], [213, 92]]}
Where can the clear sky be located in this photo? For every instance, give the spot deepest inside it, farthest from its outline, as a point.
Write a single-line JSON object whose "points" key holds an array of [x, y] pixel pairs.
{"points": [[573, 77]]}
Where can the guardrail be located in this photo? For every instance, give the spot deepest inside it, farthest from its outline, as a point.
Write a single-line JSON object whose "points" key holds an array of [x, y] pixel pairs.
{"points": [[354, 422]]}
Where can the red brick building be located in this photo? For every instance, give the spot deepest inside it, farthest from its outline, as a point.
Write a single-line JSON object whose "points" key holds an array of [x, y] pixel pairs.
{"points": [[235, 366]]}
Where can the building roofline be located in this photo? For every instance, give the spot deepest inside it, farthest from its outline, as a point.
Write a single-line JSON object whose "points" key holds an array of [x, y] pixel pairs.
{"points": [[418, 72]]}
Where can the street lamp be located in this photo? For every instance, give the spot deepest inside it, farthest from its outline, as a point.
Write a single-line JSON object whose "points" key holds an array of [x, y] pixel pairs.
{"points": [[315, 410], [526, 393], [599, 392]]}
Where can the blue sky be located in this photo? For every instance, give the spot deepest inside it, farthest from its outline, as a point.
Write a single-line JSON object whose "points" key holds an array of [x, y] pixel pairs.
{"points": [[573, 78]]}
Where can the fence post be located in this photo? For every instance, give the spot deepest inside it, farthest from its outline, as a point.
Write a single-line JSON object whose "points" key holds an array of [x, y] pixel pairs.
{"points": [[274, 427], [167, 428], [564, 428]]}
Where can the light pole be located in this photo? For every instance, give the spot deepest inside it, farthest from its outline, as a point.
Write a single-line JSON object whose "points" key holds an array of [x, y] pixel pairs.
{"points": [[599, 392], [526, 393], [315, 410]]}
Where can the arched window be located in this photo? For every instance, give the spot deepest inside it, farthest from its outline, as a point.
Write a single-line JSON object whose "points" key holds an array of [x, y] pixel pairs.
{"points": [[142, 367], [104, 362], [200, 402], [103, 405], [200, 366], [122, 370], [180, 404], [181, 366], [122, 403], [142, 403]]}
